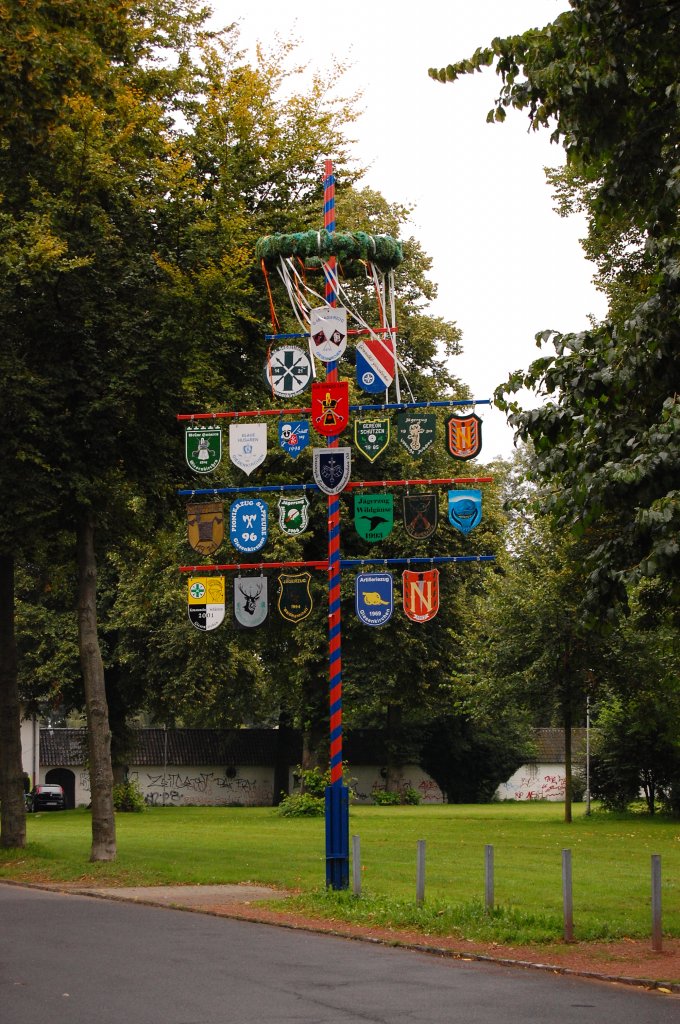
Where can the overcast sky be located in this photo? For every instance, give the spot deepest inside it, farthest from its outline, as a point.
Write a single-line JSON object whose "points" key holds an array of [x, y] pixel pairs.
{"points": [[505, 263]]}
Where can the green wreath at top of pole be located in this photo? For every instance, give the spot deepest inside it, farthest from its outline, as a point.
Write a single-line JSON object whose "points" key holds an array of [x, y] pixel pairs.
{"points": [[383, 250]]}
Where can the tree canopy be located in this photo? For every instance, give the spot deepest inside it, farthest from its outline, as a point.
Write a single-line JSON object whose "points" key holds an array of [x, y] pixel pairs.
{"points": [[604, 79]]}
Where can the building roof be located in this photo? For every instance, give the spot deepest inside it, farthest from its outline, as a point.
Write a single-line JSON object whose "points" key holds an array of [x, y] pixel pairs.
{"points": [[247, 747], [550, 745], [251, 747]]}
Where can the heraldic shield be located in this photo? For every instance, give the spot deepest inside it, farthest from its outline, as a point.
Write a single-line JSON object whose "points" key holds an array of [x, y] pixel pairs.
{"points": [[416, 433], [328, 331], [248, 524], [288, 371], [374, 600], [421, 514], [295, 599], [205, 601], [464, 436], [465, 509], [293, 436], [420, 594], [331, 468], [293, 515], [330, 407], [205, 526], [373, 516], [251, 601], [372, 437], [203, 448]]}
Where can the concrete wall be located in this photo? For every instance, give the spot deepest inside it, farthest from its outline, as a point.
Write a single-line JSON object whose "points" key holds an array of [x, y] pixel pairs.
{"points": [[365, 779], [534, 782], [205, 785]]}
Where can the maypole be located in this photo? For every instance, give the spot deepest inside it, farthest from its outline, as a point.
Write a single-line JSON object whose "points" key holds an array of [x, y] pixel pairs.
{"points": [[337, 794], [377, 367]]}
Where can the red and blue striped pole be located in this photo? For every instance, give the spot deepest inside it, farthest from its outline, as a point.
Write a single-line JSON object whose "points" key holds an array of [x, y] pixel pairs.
{"points": [[337, 795]]}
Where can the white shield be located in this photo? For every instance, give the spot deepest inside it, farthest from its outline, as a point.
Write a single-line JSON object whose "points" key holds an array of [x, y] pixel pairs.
{"points": [[328, 330], [247, 445]]}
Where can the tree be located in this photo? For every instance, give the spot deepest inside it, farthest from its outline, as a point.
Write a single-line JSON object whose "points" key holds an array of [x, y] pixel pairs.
{"points": [[529, 644], [88, 368], [604, 77], [637, 718]]}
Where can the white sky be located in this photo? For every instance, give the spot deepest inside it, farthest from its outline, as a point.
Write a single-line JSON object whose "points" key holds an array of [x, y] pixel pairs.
{"points": [[505, 263]]}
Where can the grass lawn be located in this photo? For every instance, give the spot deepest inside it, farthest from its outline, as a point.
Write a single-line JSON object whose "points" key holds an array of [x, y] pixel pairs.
{"points": [[208, 845]]}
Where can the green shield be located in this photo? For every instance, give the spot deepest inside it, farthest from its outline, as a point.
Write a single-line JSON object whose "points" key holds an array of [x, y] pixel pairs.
{"points": [[203, 448], [416, 432], [372, 437], [373, 516]]}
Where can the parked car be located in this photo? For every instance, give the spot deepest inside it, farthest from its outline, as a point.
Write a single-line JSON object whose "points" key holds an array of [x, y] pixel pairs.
{"points": [[47, 798]]}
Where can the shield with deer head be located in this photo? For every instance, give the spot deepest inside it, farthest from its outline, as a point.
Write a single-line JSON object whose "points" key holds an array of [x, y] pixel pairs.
{"points": [[251, 601]]}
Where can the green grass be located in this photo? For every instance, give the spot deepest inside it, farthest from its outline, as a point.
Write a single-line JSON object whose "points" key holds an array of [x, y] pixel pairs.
{"points": [[197, 845]]}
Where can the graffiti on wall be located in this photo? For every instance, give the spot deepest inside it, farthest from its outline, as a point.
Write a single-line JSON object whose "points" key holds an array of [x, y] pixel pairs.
{"points": [[533, 787], [173, 788]]}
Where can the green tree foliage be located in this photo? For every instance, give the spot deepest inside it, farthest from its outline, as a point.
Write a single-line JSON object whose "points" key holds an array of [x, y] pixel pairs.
{"points": [[86, 369], [603, 77], [638, 716]]}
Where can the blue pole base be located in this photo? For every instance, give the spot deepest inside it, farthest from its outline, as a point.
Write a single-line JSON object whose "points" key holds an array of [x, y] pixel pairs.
{"points": [[337, 836]]}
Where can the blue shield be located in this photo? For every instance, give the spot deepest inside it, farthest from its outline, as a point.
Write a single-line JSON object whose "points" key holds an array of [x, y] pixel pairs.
{"points": [[465, 510], [373, 597], [293, 436], [248, 524]]}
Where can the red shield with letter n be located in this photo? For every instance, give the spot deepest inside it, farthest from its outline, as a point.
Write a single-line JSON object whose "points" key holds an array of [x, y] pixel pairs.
{"points": [[464, 436], [421, 594]]}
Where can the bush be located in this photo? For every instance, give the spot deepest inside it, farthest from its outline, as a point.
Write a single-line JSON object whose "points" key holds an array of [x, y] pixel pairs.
{"points": [[410, 796], [302, 805], [127, 796], [385, 798]]}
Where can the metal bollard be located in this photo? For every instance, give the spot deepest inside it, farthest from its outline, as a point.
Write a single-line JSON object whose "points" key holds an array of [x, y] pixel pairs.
{"points": [[567, 897], [656, 903], [488, 878], [356, 865], [420, 872]]}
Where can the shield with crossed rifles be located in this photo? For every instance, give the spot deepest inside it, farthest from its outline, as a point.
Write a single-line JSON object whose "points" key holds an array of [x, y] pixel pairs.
{"points": [[421, 513]]}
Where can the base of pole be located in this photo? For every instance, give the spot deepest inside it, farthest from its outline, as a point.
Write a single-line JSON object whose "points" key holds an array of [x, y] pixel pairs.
{"points": [[337, 836]]}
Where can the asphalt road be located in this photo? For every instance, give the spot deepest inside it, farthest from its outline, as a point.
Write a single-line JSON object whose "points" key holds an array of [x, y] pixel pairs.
{"points": [[67, 959]]}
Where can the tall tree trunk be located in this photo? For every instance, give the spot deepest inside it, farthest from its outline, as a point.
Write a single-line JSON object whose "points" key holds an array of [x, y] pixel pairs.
{"points": [[393, 740], [567, 760], [98, 731], [12, 807]]}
